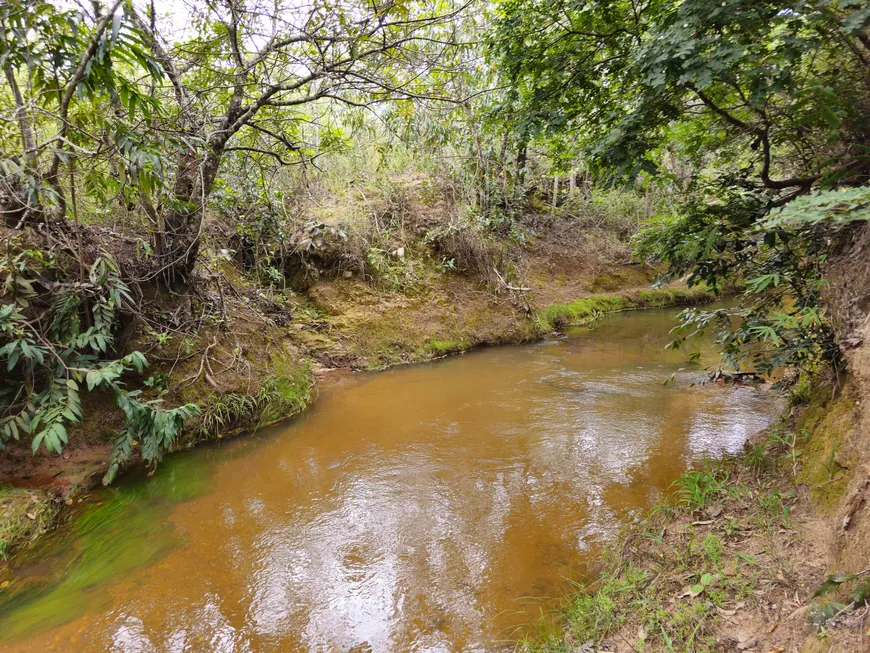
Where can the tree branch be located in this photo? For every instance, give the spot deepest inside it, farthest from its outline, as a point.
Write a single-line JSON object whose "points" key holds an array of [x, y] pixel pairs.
{"points": [[73, 83]]}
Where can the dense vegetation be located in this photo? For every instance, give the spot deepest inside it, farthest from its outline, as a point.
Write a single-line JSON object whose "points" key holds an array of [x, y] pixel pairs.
{"points": [[176, 142], [174, 178]]}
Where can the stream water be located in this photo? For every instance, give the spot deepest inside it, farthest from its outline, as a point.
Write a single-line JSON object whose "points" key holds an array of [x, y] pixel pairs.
{"points": [[436, 507]]}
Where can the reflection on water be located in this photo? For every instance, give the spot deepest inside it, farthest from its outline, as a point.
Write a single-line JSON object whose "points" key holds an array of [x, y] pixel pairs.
{"points": [[429, 508]]}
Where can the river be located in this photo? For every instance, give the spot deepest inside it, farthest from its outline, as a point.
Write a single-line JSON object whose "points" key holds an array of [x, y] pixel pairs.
{"points": [[437, 507]]}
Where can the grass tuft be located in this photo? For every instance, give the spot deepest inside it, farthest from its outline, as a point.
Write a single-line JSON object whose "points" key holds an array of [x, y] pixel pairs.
{"points": [[24, 516], [435, 347], [282, 395]]}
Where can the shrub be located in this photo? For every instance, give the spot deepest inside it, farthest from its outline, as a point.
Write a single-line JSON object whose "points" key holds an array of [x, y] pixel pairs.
{"points": [[65, 342]]}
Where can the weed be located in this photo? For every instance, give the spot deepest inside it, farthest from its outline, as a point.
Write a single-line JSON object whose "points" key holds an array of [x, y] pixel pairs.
{"points": [[830, 465], [756, 457], [24, 516], [162, 338], [737, 491], [731, 527], [446, 265], [697, 488], [713, 548], [593, 615], [159, 382], [279, 396], [781, 438], [771, 503], [465, 246]]}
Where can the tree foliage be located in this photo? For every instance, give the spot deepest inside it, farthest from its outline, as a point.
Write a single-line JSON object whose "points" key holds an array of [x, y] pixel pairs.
{"points": [[754, 116], [740, 126], [774, 92], [154, 119]]}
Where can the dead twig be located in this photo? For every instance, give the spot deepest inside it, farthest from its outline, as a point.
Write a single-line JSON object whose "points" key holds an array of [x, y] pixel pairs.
{"points": [[507, 285]]}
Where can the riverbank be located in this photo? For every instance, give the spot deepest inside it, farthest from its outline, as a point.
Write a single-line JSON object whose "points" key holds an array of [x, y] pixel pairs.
{"points": [[261, 358], [456, 489], [764, 552], [737, 557]]}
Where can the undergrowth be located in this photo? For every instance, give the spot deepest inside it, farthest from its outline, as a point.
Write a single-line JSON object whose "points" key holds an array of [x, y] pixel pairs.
{"points": [[721, 544], [677, 574], [284, 394], [24, 516]]}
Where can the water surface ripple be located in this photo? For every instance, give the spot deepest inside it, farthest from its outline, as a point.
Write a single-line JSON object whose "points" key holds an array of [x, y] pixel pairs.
{"points": [[428, 508]]}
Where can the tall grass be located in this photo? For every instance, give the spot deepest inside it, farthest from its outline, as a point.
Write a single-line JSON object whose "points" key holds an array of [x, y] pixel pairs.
{"points": [[279, 396]]}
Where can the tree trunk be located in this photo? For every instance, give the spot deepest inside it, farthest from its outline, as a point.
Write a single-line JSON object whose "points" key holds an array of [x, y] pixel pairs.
{"points": [[14, 208], [180, 240], [28, 140], [522, 154], [555, 191], [502, 173]]}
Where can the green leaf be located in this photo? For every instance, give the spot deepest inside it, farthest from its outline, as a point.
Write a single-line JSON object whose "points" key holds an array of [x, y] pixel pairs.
{"points": [[94, 378], [860, 592], [13, 359], [820, 614], [833, 581]]}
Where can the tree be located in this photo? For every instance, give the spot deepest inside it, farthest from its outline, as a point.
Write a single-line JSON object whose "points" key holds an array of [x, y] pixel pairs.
{"points": [[766, 101], [155, 119], [776, 90], [242, 82], [74, 88]]}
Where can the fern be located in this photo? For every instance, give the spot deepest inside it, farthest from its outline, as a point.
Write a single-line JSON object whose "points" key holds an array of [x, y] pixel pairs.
{"points": [[65, 320], [51, 365]]}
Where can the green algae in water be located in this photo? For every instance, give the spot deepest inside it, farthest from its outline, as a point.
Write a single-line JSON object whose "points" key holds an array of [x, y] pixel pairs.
{"points": [[68, 574]]}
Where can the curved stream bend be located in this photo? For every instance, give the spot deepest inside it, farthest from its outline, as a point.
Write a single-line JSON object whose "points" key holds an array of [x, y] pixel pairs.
{"points": [[428, 508]]}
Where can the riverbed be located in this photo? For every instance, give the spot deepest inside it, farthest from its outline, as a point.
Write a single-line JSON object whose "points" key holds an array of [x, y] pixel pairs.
{"points": [[437, 507]]}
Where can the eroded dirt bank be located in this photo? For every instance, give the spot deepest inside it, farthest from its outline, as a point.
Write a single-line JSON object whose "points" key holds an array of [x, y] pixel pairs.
{"points": [[430, 506], [734, 560]]}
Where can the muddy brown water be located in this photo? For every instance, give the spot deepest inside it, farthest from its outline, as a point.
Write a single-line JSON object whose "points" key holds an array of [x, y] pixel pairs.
{"points": [[437, 507]]}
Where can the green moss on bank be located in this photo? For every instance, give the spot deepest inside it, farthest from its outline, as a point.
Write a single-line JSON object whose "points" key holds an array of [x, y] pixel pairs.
{"points": [[24, 515], [588, 308], [435, 348], [825, 430]]}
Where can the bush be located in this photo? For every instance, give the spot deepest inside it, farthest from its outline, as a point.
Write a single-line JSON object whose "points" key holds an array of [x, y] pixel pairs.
{"points": [[58, 335]]}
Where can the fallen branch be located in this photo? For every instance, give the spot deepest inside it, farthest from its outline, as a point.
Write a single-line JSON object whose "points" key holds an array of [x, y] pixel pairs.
{"points": [[507, 285]]}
